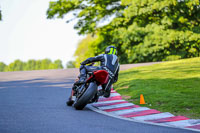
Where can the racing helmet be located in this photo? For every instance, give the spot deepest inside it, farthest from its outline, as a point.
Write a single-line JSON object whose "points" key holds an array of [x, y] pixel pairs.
{"points": [[111, 50]]}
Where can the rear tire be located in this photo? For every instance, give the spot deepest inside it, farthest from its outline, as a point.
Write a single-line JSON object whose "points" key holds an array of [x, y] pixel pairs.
{"points": [[81, 102]]}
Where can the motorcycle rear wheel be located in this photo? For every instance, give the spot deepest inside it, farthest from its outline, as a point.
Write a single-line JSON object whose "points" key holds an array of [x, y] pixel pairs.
{"points": [[87, 95]]}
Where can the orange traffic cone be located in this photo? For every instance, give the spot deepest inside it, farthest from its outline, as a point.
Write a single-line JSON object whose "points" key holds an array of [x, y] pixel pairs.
{"points": [[142, 99]]}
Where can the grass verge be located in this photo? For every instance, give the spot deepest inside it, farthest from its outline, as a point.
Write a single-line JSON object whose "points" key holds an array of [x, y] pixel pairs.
{"points": [[168, 87]]}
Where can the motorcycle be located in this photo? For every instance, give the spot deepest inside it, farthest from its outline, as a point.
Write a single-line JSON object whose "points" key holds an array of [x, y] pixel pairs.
{"points": [[88, 92]]}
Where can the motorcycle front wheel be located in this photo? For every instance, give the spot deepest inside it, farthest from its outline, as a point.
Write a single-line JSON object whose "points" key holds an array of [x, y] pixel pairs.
{"points": [[87, 95]]}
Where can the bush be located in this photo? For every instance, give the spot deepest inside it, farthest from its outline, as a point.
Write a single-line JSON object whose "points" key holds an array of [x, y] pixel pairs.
{"points": [[172, 58]]}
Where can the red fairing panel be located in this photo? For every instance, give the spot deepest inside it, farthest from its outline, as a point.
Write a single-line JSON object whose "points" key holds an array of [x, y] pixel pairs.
{"points": [[101, 76]]}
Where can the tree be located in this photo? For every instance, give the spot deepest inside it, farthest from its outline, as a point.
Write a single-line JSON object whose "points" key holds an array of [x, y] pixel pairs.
{"points": [[45, 64], [70, 64], [17, 65], [38, 65], [142, 30], [31, 65], [88, 12], [0, 15], [86, 48], [58, 64], [2, 66], [156, 29]]}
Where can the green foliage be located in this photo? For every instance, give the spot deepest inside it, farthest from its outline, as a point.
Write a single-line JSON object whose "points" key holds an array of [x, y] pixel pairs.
{"points": [[89, 12], [18, 65], [70, 64], [2, 66], [58, 64], [86, 48], [31, 65], [0, 15], [172, 58], [45, 64], [142, 30], [38, 65], [155, 42], [153, 30]]}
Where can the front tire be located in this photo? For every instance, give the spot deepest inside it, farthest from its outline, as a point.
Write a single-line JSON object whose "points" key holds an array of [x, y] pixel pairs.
{"points": [[82, 101]]}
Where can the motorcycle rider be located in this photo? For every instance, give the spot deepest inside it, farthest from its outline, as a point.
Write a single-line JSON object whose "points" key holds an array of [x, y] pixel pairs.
{"points": [[108, 61]]}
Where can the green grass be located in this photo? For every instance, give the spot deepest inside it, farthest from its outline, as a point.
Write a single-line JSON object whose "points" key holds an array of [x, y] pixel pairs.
{"points": [[168, 87]]}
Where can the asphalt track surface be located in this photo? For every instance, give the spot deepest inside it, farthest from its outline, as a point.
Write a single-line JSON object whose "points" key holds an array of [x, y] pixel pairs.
{"points": [[34, 102]]}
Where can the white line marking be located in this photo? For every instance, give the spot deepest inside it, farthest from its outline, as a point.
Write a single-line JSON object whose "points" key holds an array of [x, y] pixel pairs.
{"points": [[153, 117], [113, 101], [114, 94], [116, 106], [120, 112], [184, 123]]}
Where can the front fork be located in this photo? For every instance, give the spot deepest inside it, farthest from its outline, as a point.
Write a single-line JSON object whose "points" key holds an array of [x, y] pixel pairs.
{"points": [[72, 96], [76, 90]]}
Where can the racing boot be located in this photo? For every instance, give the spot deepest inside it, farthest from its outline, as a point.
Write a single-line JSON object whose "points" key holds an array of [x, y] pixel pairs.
{"points": [[107, 88], [107, 92], [70, 102]]}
